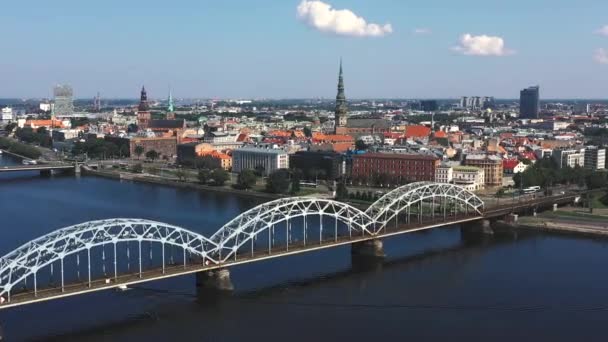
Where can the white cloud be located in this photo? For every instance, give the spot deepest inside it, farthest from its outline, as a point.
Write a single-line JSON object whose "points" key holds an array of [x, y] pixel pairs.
{"points": [[323, 17], [601, 56], [422, 31], [482, 46], [602, 31]]}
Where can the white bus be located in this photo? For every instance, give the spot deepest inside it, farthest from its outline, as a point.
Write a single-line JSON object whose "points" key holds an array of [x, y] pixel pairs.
{"points": [[531, 190]]}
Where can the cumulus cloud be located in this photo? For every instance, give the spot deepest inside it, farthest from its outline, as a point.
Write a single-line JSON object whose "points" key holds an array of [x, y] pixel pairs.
{"points": [[323, 17], [482, 46], [602, 31], [601, 56], [422, 31]]}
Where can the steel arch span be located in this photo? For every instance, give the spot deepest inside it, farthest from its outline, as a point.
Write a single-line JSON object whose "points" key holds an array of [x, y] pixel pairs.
{"points": [[38, 254], [247, 226], [406, 197]]}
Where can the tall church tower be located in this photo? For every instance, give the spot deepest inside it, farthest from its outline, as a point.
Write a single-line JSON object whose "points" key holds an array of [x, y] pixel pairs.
{"points": [[341, 107], [170, 107], [143, 110]]}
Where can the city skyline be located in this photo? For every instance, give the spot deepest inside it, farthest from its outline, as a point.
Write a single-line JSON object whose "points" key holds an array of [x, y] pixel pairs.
{"points": [[390, 50]]}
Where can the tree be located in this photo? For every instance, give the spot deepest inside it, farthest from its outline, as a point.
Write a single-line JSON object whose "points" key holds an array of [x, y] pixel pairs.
{"points": [[307, 132], [360, 145], [203, 176], [181, 175], [139, 150], [219, 176], [596, 180], [246, 179], [278, 182], [138, 168], [341, 191], [10, 127], [500, 193], [152, 155], [296, 177]]}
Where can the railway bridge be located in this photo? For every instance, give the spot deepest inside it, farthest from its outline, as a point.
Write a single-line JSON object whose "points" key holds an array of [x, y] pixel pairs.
{"points": [[106, 254]]}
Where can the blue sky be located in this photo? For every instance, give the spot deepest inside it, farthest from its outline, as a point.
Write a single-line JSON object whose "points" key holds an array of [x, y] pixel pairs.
{"points": [[267, 48]]}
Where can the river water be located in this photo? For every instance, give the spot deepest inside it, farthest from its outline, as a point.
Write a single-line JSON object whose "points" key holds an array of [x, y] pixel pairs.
{"points": [[432, 286]]}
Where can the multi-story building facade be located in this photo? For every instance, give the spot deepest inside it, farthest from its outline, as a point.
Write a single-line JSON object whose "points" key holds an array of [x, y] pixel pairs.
{"points": [[264, 160], [64, 101], [569, 158], [166, 147], [490, 164], [329, 164], [529, 103], [397, 168], [595, 158], [444, 174], [469, 177]]}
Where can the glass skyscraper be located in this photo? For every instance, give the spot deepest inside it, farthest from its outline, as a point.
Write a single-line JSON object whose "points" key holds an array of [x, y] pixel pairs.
{"points": [[64, 101], [529, 103]]}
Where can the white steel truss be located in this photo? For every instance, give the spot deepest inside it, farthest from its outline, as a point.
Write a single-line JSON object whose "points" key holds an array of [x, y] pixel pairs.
{"points": [[245, 227], [408, 196], [27, 260]]}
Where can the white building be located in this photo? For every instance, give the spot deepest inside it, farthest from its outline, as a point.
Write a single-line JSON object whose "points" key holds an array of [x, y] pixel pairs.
{"points": [[444, 174], [45, 107], [267, 160], [569, 157], [469, 177], [7, 115], [595, 158]]}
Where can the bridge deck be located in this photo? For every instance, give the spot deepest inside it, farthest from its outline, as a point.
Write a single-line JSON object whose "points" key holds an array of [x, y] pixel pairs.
{"points": [[28, 297], [39, 167]]}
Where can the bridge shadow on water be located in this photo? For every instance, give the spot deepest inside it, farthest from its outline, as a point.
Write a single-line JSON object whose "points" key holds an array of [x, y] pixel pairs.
{"points": [[207, 303]]}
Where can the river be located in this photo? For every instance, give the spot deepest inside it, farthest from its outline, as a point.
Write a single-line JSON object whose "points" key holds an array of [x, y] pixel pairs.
{"points": [[432, 286]]}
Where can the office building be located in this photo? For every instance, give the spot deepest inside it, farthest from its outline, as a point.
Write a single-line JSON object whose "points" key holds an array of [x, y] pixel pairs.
{"points": [[529, 103], [264, 160], [318, 164], [64, 100], [491, 166], [595, 158], [396, 168], [569, 157]]}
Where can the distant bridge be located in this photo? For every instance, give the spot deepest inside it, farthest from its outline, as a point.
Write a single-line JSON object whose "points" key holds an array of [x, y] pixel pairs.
{"points": [[106, 254], [43, 168]]}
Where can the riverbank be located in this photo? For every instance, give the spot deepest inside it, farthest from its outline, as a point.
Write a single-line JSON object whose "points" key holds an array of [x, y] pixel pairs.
{"points": [[178, 184], [566, 222]]}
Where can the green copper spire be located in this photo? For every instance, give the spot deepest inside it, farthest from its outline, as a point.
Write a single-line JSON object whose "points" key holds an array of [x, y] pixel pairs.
{"points": [[171, 106], [341, 97], [341, 107]]}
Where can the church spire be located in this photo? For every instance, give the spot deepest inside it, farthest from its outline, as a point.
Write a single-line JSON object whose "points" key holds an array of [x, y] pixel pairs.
{"points": [[143, 100], [171, 106], [341, 107]]}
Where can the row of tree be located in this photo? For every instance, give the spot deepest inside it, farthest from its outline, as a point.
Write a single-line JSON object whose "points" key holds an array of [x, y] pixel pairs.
{"points": [[40, 136], [100, 148], [19, 148], [545, 173]]}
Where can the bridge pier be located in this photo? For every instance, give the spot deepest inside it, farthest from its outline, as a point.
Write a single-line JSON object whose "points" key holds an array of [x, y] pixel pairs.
{"points": [[46, 173], [478, 227], [369, 248], [217, 280]]}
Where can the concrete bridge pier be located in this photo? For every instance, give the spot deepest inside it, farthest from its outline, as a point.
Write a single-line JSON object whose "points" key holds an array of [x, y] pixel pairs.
{"points": [[46, 173], [478, 227], [216, 280], [370, 248]]}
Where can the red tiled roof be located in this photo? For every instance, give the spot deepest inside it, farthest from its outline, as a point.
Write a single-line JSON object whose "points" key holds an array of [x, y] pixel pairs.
{"points": [[509, 164], [417, 131], [440, 134]]}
